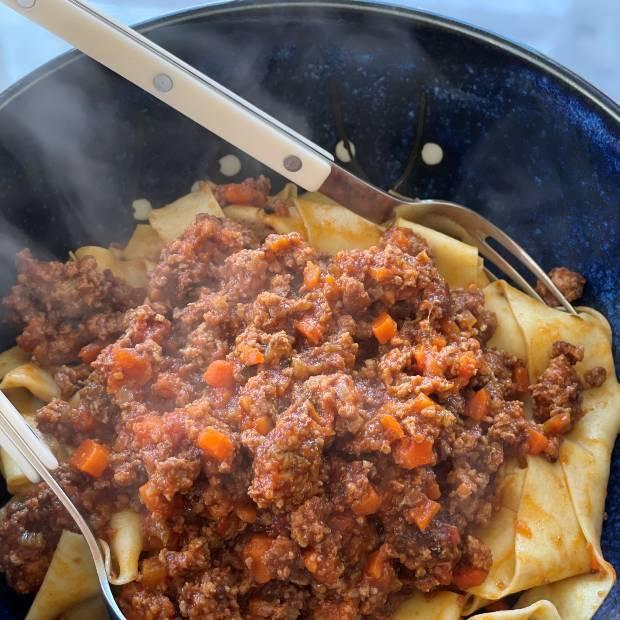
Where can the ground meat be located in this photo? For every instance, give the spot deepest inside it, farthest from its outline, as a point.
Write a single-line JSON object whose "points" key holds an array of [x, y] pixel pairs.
{"points": [[595, 377], [295, 430], [569, 282], [62, 307], [558, 389]]}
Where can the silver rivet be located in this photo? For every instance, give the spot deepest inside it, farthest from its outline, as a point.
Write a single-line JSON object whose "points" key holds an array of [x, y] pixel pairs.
{"points": [[26, 4], [163, 83], [292, 163]]}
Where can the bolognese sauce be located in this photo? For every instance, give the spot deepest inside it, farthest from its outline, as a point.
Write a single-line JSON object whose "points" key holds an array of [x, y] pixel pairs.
{"points": [[304, 436]]}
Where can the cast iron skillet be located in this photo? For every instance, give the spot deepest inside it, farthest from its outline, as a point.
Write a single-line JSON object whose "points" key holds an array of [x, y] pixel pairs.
{"points": [[525, 142]]}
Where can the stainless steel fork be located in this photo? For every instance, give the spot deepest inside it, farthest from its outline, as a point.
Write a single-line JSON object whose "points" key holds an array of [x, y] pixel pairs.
{"points": [[37, 462], [237, 121]]}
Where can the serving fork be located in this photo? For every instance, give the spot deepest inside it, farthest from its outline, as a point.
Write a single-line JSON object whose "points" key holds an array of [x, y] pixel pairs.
{"points": [[211, 105]]}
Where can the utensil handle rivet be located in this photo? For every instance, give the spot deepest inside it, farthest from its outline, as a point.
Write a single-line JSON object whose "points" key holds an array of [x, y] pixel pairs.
{"points": [[292, 163], [163, 83]]}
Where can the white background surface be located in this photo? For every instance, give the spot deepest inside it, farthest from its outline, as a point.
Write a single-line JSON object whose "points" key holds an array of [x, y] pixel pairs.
{"points": [[583, 35]]}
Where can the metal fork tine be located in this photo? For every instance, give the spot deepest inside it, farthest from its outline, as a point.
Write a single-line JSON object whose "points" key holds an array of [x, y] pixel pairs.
{"points": [[521, 255], [501, 263]]}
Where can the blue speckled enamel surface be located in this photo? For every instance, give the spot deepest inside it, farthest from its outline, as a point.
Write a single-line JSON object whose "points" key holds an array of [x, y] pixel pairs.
{"points": [[527, 145]]}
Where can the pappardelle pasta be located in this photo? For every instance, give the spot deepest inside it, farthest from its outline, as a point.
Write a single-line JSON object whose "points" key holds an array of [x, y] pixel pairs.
{"points": [[269, 407]]}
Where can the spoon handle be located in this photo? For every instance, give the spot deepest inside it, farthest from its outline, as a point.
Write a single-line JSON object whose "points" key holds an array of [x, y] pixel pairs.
{"points": [[184, 88]]}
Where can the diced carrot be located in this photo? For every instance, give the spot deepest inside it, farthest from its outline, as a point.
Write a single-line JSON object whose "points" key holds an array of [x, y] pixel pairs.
{"points": [[465, 577], [468, 365], [153, 500], [251, 356], [427, 362], [450, 328], [380, 274], [520, 378], [432, 489], [376, 565], [409, 454], [88, 353], [263, 425], [557, 424], [153, 572], [400, 238], [129, 367], [246, 511], [536, 441], [421, 402], [384, 328], [221, 374], [497, 606], [148, 430], [91, 458], [392, 427], [368, 504], [331, 288], [278, 243], [215, 444], [254, 556], [438, 342], [310, 329], [311, 560], [312, 275], [423, 513], [478, 405], [242, 194]]}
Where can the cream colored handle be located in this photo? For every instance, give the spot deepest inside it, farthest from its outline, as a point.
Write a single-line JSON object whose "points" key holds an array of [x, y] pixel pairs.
{"points": [[182, 87]]}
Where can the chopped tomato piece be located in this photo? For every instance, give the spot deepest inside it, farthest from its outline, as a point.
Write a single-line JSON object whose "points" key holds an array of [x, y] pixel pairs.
{"points": [[478, 405], [465, 577], [536, 441], [216, 444], [368, 504], [409, 454], [392, 427], [384, 328], [90, 458], [221, 374], [153, 572], [312, 275], [520, 378], [279, 243], [148, 430], [254, 557], [423, 513], [310, 329]]}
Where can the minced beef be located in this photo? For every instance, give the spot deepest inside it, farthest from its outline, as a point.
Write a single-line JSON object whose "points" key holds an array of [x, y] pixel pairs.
{"points": [[570, 283], [304, 436]]}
